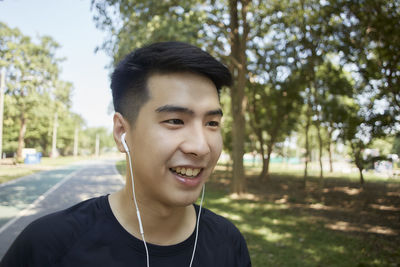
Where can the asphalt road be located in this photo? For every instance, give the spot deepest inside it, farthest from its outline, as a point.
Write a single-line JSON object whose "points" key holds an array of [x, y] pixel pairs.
{"points": [[30, 197]]}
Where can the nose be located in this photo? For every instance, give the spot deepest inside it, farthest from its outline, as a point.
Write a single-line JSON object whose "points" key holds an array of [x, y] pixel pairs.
{"points": [[195, 142]]}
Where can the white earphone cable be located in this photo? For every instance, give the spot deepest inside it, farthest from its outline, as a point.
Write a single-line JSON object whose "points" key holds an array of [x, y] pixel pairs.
{"points": [[197, 225], [138, 212]]}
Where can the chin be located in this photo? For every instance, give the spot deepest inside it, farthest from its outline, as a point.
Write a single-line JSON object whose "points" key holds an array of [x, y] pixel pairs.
{"points": [[187, 200]]}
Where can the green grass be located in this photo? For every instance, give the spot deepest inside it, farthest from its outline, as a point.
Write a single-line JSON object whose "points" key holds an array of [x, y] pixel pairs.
{"points": [[10, 172], [314, 172], [278, 235]]}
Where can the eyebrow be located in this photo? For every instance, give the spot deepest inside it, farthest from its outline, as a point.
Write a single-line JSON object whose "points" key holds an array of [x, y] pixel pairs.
{"points": [[215, 112], [178, 109]]}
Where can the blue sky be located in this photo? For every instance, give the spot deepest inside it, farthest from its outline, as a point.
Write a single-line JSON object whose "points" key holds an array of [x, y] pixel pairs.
{"points": [[70, 23]]}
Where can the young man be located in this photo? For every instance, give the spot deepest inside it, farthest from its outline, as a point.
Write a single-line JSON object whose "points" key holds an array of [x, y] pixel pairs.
{"points": [[167, 120]]}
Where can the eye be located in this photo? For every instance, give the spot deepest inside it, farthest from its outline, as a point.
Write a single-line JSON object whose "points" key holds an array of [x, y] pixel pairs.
{"points": [[174, 121], [213, 123]]}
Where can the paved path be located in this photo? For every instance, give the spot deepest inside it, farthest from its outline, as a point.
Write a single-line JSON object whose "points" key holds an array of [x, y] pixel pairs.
{"points": [[28, 198]]}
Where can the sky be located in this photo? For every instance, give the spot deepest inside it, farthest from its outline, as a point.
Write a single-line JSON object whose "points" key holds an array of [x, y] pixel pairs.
{"points": [[69, 23]]}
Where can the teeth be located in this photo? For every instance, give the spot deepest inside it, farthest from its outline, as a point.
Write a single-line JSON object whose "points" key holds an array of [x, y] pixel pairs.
{"points": [[186, 171], [195, 172]]}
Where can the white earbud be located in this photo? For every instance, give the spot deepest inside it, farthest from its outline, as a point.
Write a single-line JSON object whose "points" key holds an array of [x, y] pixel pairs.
{"points": [[124, 142]]}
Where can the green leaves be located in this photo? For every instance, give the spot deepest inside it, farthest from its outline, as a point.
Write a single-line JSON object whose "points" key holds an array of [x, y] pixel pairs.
{"points": [[34, 93], [340, 58]]}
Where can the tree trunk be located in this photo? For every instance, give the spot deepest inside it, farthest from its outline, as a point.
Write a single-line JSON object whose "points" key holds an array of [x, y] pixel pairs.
{"points": [[330, 152], [359, 162], [238, 68], [266, 161], [361, 176], [76, 142], [262, 151], [307, 147], [21, 135], [54, 152], [238, 128], [321, 147]]}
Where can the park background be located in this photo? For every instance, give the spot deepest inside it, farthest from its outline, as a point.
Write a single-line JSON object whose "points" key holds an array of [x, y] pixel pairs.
{"points": [[309, 171]]}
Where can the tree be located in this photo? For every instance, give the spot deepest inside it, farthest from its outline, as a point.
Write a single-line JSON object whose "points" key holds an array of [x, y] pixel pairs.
{"points": [[396, 145], [311, 42], [358, 135], [332, 86], [302, 32], [88, 140], [32, 70], [370, 39], [10, 126], [220, 27], [273, 107], [34, 92]]}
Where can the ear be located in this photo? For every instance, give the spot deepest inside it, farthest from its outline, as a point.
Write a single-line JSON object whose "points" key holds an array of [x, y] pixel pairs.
{"points": [[120, 126]]}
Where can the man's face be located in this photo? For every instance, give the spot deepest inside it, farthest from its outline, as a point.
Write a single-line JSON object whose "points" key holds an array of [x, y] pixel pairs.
{"points": [[176, 140]]}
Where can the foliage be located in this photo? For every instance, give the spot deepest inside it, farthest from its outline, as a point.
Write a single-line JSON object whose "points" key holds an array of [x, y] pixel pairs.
{"points": [[221, 27], [339, 57], [369, 36], [226, 128], [132, 24], [88, 140], [273, 114], [34, 94], [396, 145], [383, 145], [357, 134]]}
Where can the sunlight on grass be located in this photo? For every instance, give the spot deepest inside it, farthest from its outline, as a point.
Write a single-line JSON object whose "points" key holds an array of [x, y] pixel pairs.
{"points": [[271, 236], [223, 200], [8, 173], [338, 249], [230, 216], [276, 237], [313, 254]]}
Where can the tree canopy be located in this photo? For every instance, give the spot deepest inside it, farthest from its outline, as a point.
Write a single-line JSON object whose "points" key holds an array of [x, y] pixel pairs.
{"points": [[34, 93], [332, 65]]}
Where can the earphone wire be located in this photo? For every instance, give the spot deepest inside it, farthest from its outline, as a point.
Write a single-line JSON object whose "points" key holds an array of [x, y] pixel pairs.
{"points": [[197, 225], [138, 212], [140, 220]]}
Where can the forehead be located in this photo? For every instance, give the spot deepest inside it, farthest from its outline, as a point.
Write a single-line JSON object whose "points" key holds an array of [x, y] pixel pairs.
{"points": [[182, 89]]}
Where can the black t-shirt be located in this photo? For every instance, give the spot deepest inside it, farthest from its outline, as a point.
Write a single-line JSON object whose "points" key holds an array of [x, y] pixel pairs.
{"points": [[88, 234]]}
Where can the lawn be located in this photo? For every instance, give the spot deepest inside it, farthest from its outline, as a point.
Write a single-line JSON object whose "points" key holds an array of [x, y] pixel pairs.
{"points": [[10, 171], [287, 225]]}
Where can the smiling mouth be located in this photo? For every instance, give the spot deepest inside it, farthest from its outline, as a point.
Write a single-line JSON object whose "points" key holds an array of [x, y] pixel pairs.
{"points": [[186, 172]]}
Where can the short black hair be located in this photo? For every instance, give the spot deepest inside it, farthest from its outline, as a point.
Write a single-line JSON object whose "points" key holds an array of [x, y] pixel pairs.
{"points": [[129, 79]]}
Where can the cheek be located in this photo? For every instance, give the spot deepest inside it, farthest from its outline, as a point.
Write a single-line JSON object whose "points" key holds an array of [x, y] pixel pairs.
{"points": [[161, 143], [216, 145]]}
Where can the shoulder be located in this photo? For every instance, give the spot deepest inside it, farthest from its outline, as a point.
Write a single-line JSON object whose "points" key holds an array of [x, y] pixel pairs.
{"points": [[221, 237], [220, 228], [49, 237], [213, 219], [75, 219]]}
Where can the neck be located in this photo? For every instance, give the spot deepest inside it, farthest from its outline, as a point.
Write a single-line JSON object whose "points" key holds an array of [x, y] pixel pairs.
{"points": [[163, 225]]}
